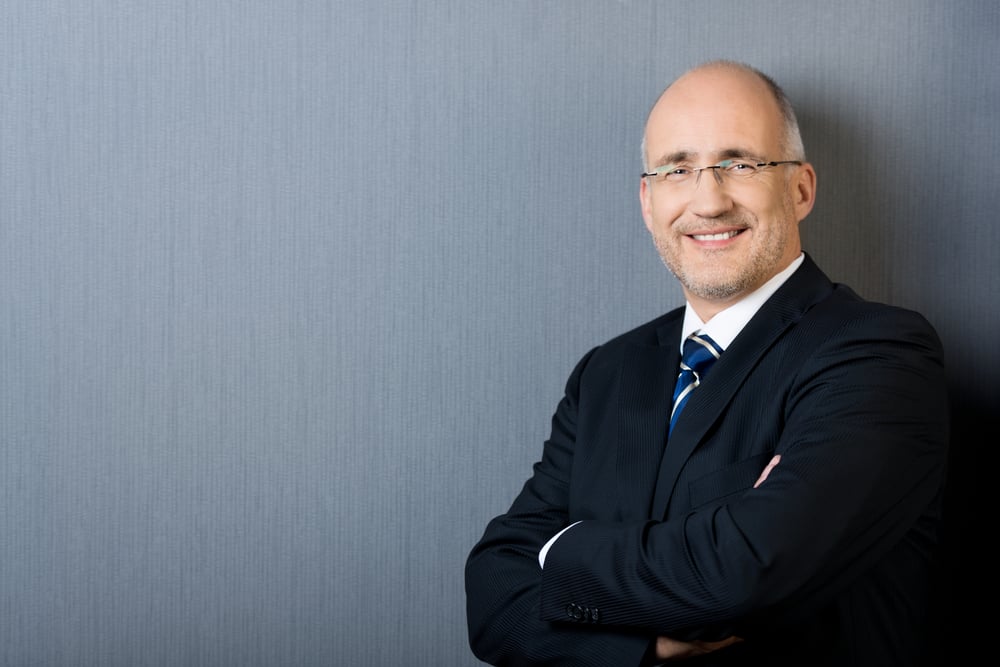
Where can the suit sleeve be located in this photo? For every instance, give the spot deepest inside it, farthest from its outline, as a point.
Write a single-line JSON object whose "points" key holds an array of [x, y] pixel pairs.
{"points": [[503, 578], [863, 449]]}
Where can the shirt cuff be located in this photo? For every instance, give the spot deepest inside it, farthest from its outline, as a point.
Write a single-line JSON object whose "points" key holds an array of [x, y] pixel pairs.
{"points": [[545, 549]]}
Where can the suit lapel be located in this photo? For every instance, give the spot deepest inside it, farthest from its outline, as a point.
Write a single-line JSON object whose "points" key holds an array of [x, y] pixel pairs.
{"points": [[804, 288], [648, 375]]}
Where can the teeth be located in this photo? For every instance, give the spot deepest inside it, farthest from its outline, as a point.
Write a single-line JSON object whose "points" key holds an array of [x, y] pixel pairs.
{"points": [[714, 237]]}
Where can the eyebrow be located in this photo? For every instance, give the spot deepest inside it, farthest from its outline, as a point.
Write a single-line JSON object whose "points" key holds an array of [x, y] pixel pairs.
{"points": [[678, 157]]}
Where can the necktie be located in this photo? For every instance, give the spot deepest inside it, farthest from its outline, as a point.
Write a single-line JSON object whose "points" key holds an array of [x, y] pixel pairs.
{"points": [[699, 353]]}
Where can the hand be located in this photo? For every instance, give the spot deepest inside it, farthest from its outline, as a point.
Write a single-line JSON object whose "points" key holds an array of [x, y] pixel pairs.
{"points": [[767, 470], [674, 649]]}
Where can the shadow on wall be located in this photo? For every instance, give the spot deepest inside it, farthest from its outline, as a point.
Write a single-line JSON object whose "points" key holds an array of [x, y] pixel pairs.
{"points": [[958, 631], [844, 232], [847, 233]]}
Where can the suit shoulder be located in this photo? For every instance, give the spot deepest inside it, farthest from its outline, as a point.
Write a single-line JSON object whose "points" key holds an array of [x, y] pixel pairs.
{"points": [[845, 310], [606, 356], [648, 332]]}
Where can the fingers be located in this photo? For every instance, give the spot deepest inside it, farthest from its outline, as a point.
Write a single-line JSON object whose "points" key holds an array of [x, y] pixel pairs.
{"points": [[767, 470], [667, 648]]}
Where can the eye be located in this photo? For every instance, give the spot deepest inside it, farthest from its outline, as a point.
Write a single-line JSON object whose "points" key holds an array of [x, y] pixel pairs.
{"points": [[675, 172], [739, 167]]}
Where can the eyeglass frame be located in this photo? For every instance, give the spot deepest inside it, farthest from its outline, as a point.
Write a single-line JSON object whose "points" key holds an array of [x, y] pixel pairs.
{"points": [[723, 164]]}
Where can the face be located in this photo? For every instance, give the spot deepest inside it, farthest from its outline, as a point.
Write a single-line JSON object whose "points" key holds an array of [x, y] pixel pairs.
{"points": [[721, 236]]}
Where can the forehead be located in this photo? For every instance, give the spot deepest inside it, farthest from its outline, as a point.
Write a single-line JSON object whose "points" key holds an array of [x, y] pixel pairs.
{"points": [[712, 115]]}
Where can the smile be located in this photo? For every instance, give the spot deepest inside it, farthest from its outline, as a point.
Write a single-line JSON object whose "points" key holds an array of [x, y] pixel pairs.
{"points": [[721, 236]]}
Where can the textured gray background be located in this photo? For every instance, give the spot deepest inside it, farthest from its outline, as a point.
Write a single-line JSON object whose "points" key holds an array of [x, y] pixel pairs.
{"points": [[290, 289]]}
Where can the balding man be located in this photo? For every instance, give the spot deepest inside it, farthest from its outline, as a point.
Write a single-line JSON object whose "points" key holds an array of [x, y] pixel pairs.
{"points": [[754, 478]]}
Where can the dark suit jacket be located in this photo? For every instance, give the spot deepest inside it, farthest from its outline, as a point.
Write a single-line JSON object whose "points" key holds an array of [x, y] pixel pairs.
{"points": [[828, 562]]}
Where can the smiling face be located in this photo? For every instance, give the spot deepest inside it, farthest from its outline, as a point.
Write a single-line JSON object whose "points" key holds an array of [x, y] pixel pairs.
{"points": [[722, 236]]}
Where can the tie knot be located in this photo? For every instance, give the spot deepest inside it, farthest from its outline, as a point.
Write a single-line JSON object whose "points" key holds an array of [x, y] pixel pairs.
{"points": [[700, 352]]}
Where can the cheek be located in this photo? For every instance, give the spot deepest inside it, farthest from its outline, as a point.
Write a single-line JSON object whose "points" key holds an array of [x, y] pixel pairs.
{"points": [[772, 205], [659, 216]]}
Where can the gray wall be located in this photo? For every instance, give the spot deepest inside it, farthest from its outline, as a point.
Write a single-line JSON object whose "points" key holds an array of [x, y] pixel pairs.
{"points": [[289, 290]]}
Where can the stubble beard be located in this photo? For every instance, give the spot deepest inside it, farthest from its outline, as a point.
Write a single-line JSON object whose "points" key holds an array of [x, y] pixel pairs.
{"points": [[720, 281]]}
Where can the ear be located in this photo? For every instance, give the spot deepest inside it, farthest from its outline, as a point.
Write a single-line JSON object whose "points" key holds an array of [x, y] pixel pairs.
{"points": [[646, 203], [803, 188]]}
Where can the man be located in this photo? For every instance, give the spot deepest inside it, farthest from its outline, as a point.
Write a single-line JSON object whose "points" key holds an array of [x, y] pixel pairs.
{"points": [[790, 513]]}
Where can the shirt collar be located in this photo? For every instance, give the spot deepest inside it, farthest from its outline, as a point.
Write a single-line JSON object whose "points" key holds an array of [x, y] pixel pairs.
{"points": [[727, 324]]}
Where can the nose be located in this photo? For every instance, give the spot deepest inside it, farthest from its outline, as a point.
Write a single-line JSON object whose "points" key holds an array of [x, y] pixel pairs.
{"points": [[709, 198]]}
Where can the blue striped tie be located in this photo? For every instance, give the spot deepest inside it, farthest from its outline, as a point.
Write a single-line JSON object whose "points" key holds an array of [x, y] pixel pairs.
{"points": [[700, 352]]}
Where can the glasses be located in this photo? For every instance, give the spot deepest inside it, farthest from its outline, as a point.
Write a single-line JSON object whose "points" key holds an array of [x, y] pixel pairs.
{"points": [[736, 170]]}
